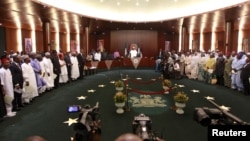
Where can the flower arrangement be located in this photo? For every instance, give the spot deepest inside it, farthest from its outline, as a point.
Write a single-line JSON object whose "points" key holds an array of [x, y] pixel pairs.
{"points": [[119, 83], [181, 97], [120, 97], [167, 82]]}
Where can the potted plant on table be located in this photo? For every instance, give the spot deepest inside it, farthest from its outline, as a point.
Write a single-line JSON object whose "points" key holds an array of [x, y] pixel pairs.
{"points": [[119, 85], [180, 99], [119, 100], [166, 85]]}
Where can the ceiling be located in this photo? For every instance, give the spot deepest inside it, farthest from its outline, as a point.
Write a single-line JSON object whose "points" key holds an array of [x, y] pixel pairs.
{"points": [[139, 10], [33, 13]]}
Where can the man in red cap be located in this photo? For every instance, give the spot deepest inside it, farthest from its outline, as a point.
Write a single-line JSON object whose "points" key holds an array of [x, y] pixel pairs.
{"points": [[7, 86]]}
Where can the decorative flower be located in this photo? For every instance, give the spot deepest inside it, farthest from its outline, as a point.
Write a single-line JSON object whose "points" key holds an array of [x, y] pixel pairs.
{"points": [[120, 97], [181, 97], [119, 83], [167, 82]]}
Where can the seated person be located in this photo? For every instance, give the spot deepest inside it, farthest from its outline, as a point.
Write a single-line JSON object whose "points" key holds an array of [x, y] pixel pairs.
{"points": [[133, 53], [97, 56]]}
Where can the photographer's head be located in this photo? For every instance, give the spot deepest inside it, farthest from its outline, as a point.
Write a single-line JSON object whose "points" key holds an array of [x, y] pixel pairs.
{"points": [[128, 137], [35, 138]]}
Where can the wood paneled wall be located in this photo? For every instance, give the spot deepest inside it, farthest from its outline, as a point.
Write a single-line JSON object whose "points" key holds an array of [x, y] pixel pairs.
{"points": [[146, 40], [39, 41], [63, 42], [11, 39], [149, 41]]}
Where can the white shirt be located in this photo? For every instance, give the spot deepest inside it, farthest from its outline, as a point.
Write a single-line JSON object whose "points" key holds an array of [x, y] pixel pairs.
{"points": [[133, 53], [97, 56], [6, 81]]}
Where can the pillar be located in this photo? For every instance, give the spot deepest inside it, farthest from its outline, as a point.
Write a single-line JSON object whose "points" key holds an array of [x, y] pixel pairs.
{"points": [[46, 36], [228, 36], [87, 39], [183, 36]]}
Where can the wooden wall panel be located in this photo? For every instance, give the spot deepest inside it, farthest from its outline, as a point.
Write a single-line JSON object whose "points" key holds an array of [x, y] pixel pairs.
{"points": [[196, 39], [235, 40], [161, 41], [39, 41], [220, 41], [63, 42], [147, 40], [207, 41], [25, 33], [11, 39]]}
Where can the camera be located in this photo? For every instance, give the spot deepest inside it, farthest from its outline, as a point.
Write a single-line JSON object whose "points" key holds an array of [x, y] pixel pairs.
{"points": [[142, 126], [216, 116], [88, 124]]}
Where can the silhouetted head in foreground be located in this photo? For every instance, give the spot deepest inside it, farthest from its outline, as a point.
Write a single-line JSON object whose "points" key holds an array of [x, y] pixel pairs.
{"points": [[35, 138], [128, 137]]}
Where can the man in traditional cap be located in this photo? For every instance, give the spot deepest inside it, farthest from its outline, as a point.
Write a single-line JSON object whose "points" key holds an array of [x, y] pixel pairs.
{"points": [[41, 84], [30, 84], [75, 73], [237, 66], [7, 86], [48, 68], [227, 70]]}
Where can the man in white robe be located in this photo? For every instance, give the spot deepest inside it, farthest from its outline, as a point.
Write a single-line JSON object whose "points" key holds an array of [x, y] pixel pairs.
{"points": [[194, 66], [187, 64], [7, 86], [30, 83], [48, 74], [64, 72], [74, 68]]}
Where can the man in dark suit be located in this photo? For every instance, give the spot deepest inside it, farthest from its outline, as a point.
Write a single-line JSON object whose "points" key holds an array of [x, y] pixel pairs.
{"points": [[245, 76], [81, 57], [17, 79], [56, 67], [68, 64]]}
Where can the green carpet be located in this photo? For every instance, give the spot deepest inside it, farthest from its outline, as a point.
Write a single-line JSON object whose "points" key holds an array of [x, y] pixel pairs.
{"points": [[47, 114]]}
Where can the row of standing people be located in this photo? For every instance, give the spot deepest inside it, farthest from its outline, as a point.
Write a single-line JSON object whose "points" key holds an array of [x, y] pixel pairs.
{"points": [[25, 77], [228, 69]]}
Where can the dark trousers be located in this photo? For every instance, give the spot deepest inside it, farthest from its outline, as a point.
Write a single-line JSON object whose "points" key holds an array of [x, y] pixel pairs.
{"points": [[56, 80], [246, 86], [177, 75], [220, 80], [69, 72], [2, 107], [17, 101], [81, 72]]}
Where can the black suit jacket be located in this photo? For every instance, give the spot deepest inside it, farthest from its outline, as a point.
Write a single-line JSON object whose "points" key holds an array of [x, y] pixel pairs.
{"points": [[56, 64], [81, 59], [17, 74], [245, 73]]}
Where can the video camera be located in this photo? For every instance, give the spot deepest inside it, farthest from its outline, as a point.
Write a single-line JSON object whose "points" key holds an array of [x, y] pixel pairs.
{"points": [[88, 121], [142, 126], [216, 116]]}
